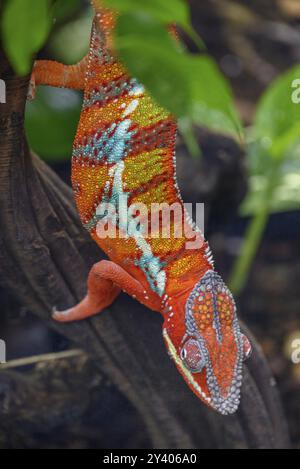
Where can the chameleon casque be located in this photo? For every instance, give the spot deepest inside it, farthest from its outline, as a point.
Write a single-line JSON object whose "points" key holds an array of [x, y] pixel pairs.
{"points": [[125, 146]]}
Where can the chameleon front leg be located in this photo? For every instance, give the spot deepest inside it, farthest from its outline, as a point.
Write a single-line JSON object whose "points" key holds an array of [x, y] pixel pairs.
{"points": [[105, 282], [51, 73]]}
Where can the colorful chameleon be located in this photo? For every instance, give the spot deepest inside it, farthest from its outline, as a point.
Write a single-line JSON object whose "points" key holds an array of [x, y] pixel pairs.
{"points": [[125, 150]]}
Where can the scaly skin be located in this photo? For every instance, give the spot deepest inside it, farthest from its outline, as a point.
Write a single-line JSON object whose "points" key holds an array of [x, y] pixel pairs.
{"points": [[125, 147]]}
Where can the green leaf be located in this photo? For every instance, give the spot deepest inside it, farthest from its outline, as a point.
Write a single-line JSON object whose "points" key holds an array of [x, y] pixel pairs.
{"points": [[275, 147], [51, 121], [166, 11], [189, 86], [277, 118], [140, 25], [71, 41], [286, 194], [25, 27], [63, 9], [155, 59], [212, 99]]}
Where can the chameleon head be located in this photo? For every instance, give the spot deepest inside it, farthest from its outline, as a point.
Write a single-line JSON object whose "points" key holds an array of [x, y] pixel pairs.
{"points": [[208, 346]]}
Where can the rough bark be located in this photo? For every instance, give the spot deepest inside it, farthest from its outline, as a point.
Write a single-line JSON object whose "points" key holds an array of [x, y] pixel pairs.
{"points": [[61, 401], [45, 256]]}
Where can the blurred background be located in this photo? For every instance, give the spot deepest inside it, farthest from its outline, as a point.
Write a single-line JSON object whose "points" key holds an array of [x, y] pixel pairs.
{"points": [[253, 44]]}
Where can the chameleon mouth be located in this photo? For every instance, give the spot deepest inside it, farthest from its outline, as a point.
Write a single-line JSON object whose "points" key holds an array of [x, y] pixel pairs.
{"points": [[225, 406], [184, 371]]}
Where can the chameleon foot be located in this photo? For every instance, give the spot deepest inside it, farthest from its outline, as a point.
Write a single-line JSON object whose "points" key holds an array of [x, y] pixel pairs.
{"points": [[91, 305], [105, 282]]}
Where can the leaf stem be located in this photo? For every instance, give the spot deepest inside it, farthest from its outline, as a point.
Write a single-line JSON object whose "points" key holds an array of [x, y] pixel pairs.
{"points": [[186, 130], [253, 237]]}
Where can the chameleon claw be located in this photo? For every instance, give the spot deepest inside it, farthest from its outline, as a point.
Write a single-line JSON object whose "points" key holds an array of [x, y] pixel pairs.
{"points": [[31, 89], [55, 313], [61, 315], [247, 348]]}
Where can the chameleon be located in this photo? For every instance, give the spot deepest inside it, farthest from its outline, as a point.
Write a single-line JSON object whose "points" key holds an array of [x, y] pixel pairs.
{"points": [[124, 154]]}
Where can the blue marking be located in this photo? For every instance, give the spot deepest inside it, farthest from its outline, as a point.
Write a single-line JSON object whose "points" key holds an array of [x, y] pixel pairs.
{"points": [[113, 147]]}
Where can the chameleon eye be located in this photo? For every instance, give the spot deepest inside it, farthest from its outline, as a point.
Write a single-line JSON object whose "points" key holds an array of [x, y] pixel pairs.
{"points": [[192, 357]]}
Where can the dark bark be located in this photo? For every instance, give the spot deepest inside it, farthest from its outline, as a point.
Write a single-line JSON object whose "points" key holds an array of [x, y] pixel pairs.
{"points": [[45, 256], [63, 402]]}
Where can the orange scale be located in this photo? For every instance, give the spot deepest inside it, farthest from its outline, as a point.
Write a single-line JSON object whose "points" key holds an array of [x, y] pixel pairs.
{"points": [[119, 250], [98, 115], [108, 73], [91, 183]]}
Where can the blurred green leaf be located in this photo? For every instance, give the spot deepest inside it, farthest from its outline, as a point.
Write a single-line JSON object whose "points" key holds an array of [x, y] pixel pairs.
{"points": [[166, 11], [190, 86], [25, 27], [51, 121], [63, 9], [138, 25], [286, 193], [275, 144], [277, 119], [152, 56], [212, 99], [70, 43]]}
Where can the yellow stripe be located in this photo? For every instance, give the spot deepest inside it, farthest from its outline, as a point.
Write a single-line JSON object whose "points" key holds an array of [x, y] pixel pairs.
{"points": [[148, 112], [142, 168]]}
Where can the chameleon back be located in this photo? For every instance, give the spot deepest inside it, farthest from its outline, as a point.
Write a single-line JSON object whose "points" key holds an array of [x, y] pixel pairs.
{"points": [[125, 147]]}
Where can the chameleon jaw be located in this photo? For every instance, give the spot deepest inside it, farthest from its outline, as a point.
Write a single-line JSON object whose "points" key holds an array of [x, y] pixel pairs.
{"points": [[185, 372], [225, 406]]}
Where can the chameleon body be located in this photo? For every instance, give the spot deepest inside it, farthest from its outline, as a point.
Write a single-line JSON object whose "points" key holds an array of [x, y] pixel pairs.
{"points": [[124, 150]]}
